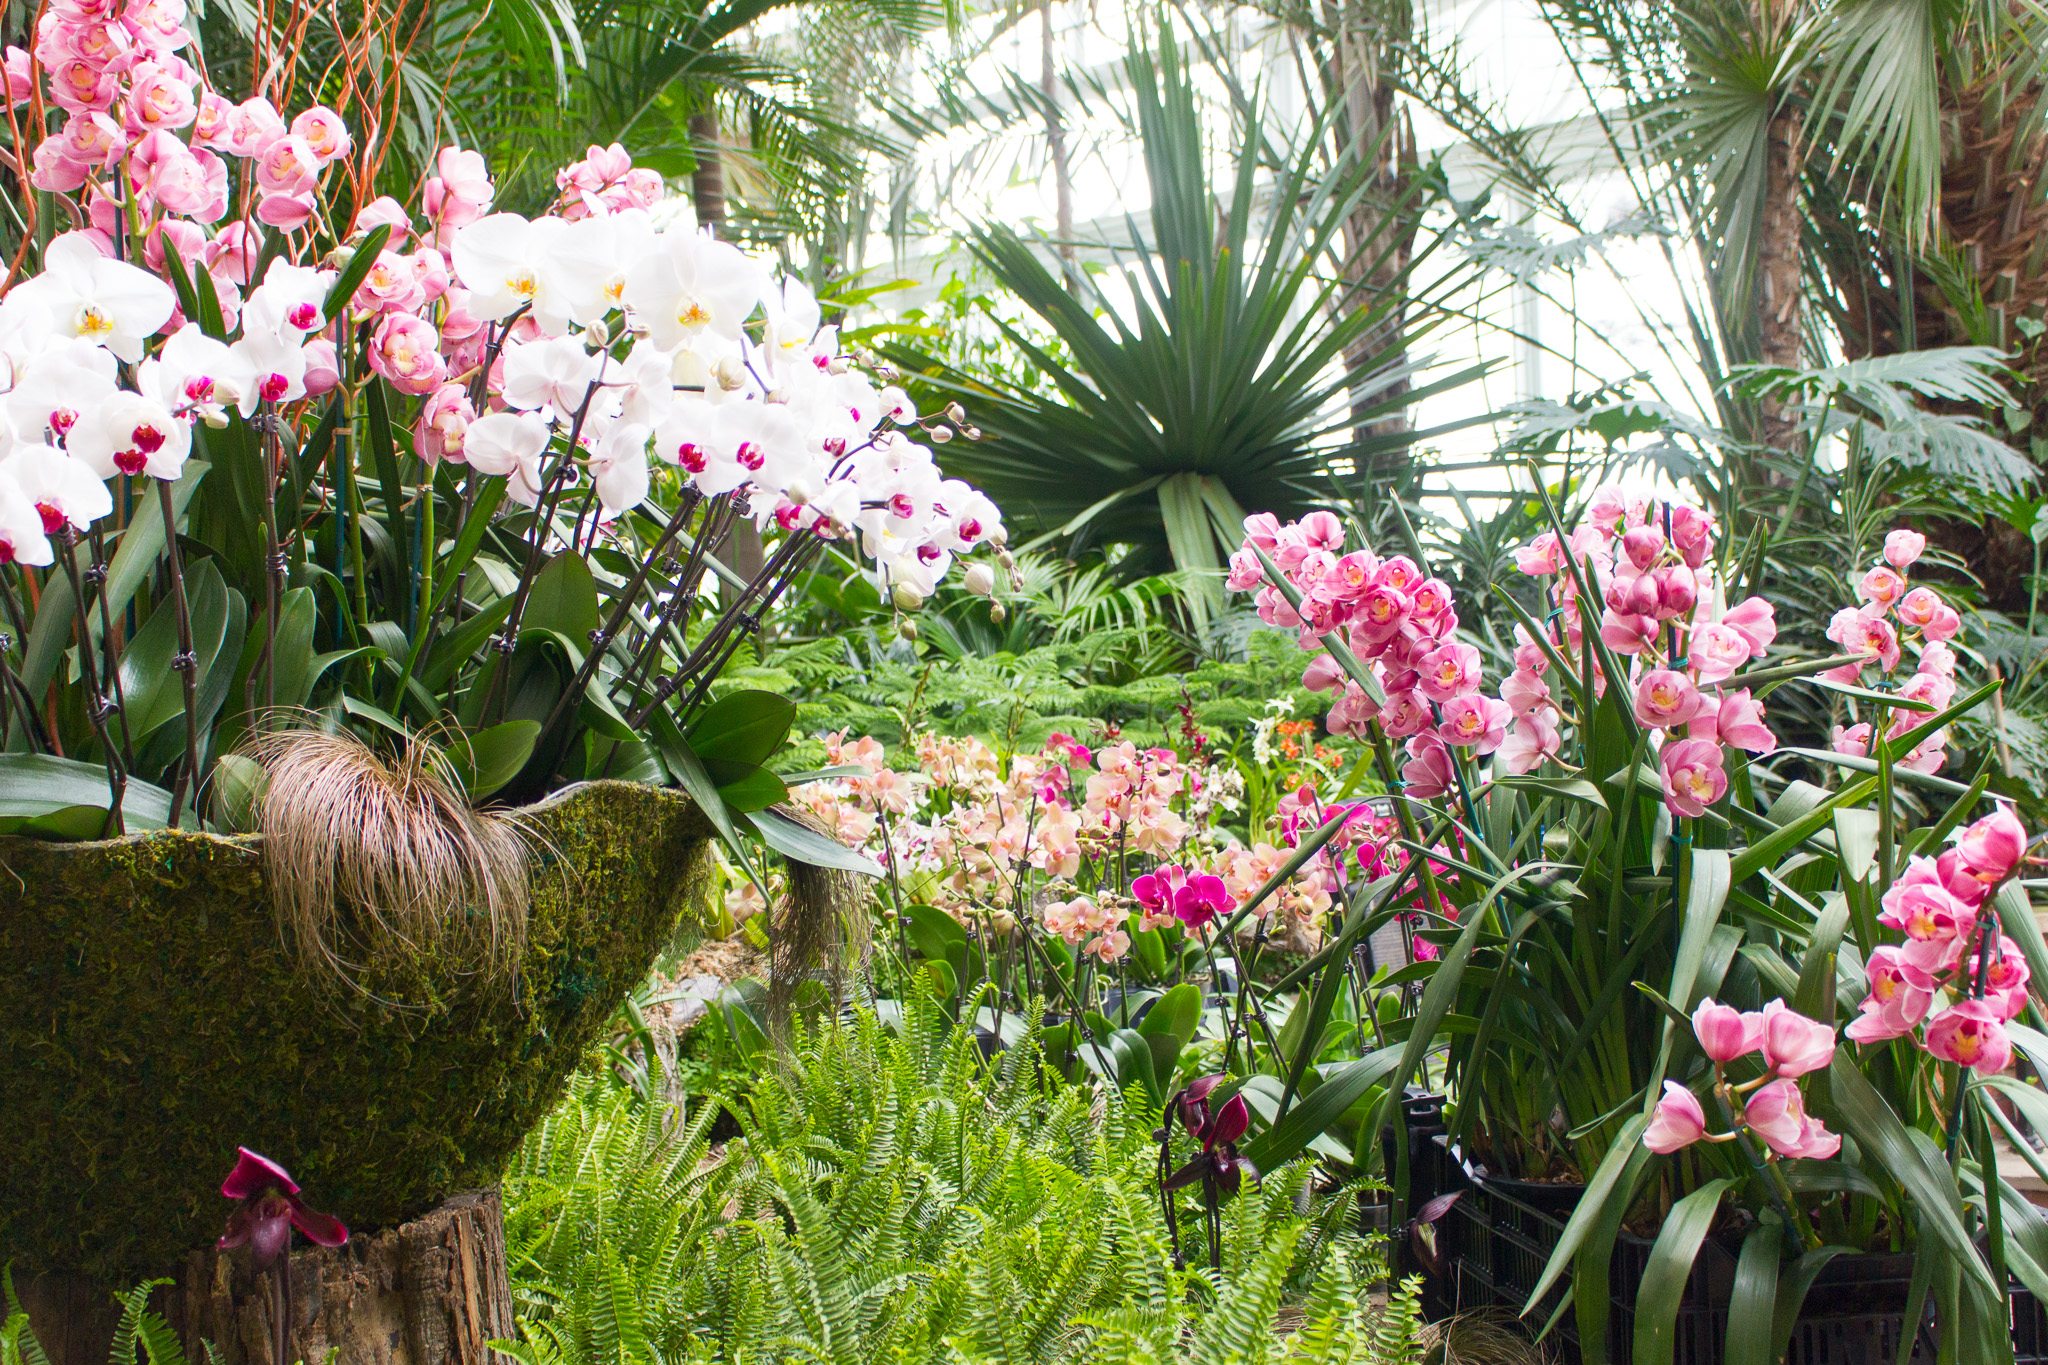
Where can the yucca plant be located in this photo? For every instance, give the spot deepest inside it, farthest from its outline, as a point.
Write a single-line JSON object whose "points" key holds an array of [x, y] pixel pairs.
{"points": [[1217, 368]]}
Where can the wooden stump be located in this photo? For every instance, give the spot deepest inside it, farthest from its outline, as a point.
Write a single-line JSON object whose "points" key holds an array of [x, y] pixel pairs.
{"points": [[429, 1292]]}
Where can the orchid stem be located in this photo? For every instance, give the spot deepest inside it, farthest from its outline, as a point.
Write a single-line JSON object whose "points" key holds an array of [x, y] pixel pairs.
{"points": [[186, 664], [97, 705]]}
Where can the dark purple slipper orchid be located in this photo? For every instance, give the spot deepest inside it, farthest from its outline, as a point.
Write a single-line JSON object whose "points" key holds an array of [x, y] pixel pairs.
{"points": [[269, 1209], [1217, 1168]]}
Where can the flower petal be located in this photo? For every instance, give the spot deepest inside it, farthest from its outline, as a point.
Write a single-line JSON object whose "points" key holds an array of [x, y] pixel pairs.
{"points": [[253, 1174], [321, 1228]]}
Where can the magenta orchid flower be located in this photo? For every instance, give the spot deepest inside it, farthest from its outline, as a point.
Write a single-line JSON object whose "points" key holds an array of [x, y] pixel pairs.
{"points": [[269, 1209], [1194, 899]]}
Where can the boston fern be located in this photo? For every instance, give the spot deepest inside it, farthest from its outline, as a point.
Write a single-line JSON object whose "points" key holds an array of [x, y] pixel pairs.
{"points": [[893, 1196]]}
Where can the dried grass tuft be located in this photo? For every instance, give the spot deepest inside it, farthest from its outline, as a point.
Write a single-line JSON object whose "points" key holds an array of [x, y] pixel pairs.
{"points": [[820, 931], [373, 863]]}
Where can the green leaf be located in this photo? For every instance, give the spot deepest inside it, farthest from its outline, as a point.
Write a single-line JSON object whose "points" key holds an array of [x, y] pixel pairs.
{"points": [[936, 934], [1670, 1266], [756, 789], [135, 558], [1169, 1026], [1754, 1296], [1792, 1288], [563, 598], [46, 797], [746, 728], [1325, 1105], [1868, 1121], [806, 845], [351, 276], [487, 759]]}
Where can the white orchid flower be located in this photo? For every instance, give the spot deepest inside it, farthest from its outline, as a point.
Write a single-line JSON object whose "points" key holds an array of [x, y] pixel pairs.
{"points": [[56, 387], [131, 434], [198, 375], [555, 373], [63, 491], [508, 262], [22, 538], [693, 285], [95, 298]]}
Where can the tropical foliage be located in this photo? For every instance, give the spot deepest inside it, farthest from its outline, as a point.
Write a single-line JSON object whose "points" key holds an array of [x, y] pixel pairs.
{"points": [[892, 1194]]}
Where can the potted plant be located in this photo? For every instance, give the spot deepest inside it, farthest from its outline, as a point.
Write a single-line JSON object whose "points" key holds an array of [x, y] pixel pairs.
{"points": [[368, 571], [1654, 925]]}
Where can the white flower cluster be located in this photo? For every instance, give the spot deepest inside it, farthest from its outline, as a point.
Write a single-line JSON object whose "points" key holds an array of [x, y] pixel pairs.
{"points": [[545, 351]]}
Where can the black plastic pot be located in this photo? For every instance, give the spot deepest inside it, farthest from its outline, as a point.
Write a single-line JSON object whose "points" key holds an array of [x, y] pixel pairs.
{"points": [[1490, 1246]]}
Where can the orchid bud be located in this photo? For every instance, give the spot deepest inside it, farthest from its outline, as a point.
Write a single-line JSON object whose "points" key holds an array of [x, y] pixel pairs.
{"points": [[339, 258], [971, 433], [597, 336], [798, 490], [730, 374], [956, 414], [907, 628], [905, 597], [1642, 545], [980, 580], [998, 613], [837, 365], [940, 434]]}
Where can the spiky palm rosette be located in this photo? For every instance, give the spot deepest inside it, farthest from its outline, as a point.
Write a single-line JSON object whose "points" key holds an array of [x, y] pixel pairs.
{"points": [[152, 1019]]}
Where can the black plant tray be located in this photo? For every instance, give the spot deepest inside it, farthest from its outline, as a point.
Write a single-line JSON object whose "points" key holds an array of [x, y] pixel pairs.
{"points": [[1491, 1247]]}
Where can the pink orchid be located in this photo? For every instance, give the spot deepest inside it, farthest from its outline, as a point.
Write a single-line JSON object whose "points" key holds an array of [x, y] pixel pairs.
{"points": [[1740, 723], [1993, 847], [1793, 1045], [1970, 1033], [1725, 1032], [1677, 1121], [1666, 699], [269, 1208], [1694, 778]]}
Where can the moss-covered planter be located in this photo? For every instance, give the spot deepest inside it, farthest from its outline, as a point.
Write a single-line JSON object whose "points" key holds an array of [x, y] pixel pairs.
{"points": [[151, 1020]]}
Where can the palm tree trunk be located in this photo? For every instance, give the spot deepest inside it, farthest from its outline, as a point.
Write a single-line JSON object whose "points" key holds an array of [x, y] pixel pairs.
{"points": [[1056, 143], [1780, 282], [1367, 39], [707, 181]]}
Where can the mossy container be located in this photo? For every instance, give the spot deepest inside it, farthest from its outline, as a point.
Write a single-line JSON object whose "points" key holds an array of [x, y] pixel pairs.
{"points": [[152, 1020]]}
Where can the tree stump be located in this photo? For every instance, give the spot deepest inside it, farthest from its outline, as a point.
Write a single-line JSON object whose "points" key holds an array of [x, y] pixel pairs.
{"points": [[429, 1292]]}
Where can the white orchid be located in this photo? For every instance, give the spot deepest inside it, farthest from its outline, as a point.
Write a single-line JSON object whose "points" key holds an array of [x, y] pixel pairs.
{"points": [[133, 435], [82, 293], [196, 375], [557, 373], [62, 490], [509, 444], [508, 263], [22, 538], [292, 298], [619, 467], [56, 386], [693, 285]]}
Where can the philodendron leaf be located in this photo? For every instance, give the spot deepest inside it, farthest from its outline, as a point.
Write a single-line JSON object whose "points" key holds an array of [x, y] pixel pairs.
{"points": [[487, 759], [744, 728], [61, 798], [799, 841]]}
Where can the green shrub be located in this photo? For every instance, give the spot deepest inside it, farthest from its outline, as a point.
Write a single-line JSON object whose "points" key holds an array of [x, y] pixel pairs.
{"points": [[893, 1197]]}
